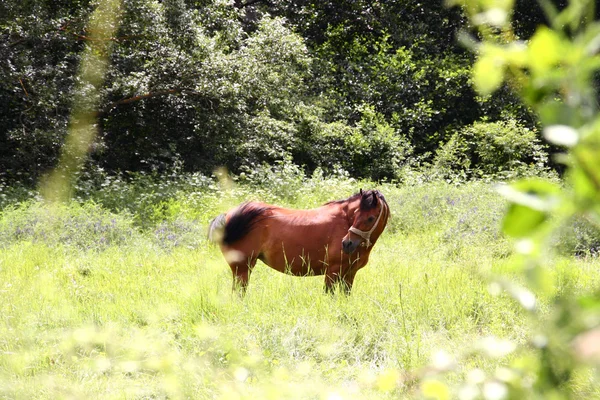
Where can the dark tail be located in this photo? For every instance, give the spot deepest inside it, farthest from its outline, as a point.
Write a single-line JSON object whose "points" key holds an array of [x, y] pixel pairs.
{"points": [[240, 223]]}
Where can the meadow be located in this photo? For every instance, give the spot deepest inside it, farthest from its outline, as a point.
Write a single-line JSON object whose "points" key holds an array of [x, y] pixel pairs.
{"points": [[119, 295]]}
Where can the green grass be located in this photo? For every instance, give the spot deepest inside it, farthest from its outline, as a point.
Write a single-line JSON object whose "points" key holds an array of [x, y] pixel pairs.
{"points": [[98, 304]]}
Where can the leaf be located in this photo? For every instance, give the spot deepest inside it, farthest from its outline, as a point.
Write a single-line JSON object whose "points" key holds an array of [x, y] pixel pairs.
{"points": [[546, 49], [521, 221], [537, 194], [488, 73], [585, 179], [531, 202], [556, 112]]}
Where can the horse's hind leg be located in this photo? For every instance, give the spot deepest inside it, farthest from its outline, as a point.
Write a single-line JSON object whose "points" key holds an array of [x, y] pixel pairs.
{"points": [[241, 274]]}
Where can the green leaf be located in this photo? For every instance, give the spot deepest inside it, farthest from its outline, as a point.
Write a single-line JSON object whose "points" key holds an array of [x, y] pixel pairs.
{"points": [[532, 200], [585, 178], [488, 73], [546, 49], [556, 112], [537, 194], [521, 221]]}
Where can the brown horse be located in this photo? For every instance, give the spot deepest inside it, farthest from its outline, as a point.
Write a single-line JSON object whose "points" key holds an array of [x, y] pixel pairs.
{"points": [[334, 240]]}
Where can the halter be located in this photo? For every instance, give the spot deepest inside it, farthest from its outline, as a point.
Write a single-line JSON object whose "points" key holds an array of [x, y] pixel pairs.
{"points": [[366, 235]]}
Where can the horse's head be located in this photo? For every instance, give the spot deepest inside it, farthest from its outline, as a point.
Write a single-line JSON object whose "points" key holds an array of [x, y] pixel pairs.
{"points": [[369, 216]]}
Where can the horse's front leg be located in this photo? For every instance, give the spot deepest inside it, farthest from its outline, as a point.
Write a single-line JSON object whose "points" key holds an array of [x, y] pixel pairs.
{"points": [[334, 279]]}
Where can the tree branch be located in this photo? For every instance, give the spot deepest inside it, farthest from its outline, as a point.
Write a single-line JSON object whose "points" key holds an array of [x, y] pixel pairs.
{"points": [[148, 95], [249, 3], [144, 96]]}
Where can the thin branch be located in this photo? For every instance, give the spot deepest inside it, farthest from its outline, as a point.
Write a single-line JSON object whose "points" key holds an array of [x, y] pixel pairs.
{"points": [[251, 2], [23, 86], [148, 95], [13, 44]]}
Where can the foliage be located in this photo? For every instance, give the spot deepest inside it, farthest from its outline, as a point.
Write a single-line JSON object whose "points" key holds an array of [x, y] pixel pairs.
{"points": [[421, 97], [553, 73], [578, 236], [147, 197], [282, 180], [88, 227], [370, 149], [178, 87], [40, 45], [499, 150], [206, 84], [225, 113], [460, 216]]}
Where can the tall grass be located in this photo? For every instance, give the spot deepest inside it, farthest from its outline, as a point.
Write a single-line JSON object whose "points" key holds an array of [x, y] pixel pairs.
{"points": [[126, 299]]}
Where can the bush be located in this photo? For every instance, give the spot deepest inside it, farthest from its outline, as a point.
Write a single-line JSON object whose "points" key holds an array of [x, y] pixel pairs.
{"points": [[461, 216], [370, 149], [579, 237], [282, 180], [147, 197], [86, 227], [501, 149]]}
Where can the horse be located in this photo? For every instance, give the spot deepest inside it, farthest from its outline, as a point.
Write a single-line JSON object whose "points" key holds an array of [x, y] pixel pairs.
{"points": [[334, 239]]}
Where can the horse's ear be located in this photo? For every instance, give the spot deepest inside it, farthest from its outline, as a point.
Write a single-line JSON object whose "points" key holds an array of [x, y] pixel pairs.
{"points": [[374, 198], [361, 193]]}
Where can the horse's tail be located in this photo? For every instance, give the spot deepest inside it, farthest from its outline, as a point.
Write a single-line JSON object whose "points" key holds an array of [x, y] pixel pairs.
{"points": [[240, 222], [216, 229]]}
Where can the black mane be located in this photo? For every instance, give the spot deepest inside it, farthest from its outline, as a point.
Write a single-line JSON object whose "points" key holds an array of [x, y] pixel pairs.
{"points": [[366, 202]]}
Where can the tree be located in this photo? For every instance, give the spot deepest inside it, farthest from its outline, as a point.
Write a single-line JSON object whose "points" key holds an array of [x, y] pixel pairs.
{"points": [[40, 46], [181, 85]]}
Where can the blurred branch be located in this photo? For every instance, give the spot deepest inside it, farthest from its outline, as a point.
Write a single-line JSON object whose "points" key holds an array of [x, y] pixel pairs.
{"points": [[144, 96], [238, 4], [149, 95]]}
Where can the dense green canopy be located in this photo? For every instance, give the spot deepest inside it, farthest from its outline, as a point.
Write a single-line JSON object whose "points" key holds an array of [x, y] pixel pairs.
{"points": [[365, 86]]}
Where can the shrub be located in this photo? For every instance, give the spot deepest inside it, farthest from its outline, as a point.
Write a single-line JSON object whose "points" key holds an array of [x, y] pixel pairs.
{"points": [[147, 197], [282, 180], [370, 149], [579, 236], [461, 216], [87, 226], [501, 149]]}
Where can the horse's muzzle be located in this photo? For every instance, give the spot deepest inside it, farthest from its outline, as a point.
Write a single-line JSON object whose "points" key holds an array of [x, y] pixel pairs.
{"points": [[349, 246]]}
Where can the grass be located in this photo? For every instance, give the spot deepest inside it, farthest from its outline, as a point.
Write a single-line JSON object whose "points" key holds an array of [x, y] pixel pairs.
{"points": [[99, 304]]}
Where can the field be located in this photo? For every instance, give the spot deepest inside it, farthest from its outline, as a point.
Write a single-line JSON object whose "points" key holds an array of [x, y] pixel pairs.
{"points": [[120, 296]]}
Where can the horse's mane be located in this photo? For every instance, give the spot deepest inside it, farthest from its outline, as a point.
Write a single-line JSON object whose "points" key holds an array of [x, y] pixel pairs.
{"points": [[366, 197]]}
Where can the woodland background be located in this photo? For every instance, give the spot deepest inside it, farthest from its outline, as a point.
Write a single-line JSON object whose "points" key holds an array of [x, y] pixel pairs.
{"points": [[368, 87]]}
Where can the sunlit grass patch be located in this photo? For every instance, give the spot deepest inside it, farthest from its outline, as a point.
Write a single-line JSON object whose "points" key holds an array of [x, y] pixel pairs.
{"points": [[149, 312]]}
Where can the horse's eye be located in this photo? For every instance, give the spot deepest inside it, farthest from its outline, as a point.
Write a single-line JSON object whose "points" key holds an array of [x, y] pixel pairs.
{"points": [[371, 219]]}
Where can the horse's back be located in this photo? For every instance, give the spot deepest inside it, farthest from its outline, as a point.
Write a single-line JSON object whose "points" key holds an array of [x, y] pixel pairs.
{"points": [[301, 241]]}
